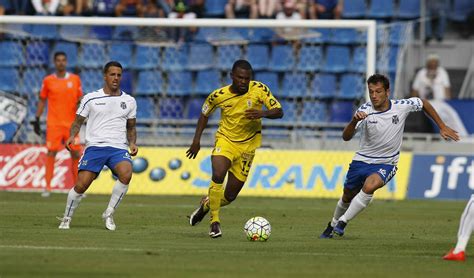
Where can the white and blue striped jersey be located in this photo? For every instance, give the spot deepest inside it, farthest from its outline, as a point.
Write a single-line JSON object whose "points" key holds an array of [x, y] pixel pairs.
{"points": [[107, 118], [381, 133]]}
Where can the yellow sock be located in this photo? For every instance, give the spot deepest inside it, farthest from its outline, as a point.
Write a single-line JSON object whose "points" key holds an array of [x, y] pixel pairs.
{"points": [[215, 193], [224, 203]]}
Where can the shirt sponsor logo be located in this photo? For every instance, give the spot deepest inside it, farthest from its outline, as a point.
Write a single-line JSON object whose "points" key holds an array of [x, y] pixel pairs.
{"points": [[99, 103]]}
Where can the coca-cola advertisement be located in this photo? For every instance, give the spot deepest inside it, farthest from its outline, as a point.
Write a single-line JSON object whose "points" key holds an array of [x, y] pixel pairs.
{"points": [[22, 167]]}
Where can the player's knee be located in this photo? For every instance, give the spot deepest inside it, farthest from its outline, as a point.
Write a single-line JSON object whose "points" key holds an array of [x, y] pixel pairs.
{"points": [[218, 177], [230, 197], [125, 178]]}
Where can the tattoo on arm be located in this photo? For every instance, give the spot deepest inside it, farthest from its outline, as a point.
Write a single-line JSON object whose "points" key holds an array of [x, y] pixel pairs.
{"points": [[131, 131], [76, 125]]}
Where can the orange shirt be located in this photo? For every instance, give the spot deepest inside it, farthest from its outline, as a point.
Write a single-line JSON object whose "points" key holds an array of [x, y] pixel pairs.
{"points": [[62, 94]]}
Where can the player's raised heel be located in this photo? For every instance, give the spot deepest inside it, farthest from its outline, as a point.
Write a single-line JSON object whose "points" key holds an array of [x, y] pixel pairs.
{"points": [[327, 233], [451, 256], [339, 228], [215, 231], [199, 213], [109, 220], [65, 222]]}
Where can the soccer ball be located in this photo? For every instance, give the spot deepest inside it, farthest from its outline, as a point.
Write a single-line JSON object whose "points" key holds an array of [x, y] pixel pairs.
{"points": [[257, 229]]}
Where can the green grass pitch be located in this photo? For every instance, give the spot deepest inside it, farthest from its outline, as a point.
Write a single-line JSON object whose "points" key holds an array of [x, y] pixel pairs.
{"points": [[153, 239]]}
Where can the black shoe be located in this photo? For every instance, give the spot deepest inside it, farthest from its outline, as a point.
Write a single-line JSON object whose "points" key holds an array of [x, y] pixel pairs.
{"points": [[199, 213], [339, 229], [327, 232], [215, 231]]}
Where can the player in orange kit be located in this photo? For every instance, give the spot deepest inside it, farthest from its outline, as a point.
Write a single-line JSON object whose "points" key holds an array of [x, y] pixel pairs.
{"points": [[63, 92]]}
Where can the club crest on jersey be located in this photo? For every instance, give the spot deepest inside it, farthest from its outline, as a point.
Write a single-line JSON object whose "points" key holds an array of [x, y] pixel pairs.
{"points": [[249, 103], [69, 84], [395, 119], [123, 105]]}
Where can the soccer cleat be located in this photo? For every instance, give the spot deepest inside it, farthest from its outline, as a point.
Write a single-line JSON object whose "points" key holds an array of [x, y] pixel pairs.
{"points": [[45, 194], [327, 232], [65, 221], [339, 229], [451, 256], [109, 220], [215, 231], [199, 213]]}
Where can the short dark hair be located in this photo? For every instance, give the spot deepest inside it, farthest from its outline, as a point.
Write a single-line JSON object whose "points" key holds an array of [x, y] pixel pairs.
{"points": [[59, 53], [379, 78], [242, 64], [112, 64]]}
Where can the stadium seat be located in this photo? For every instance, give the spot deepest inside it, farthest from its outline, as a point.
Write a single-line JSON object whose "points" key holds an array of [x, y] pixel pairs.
{"points": [[352, 86], [73, 31], [149, 82], [295, 85], [32, 81], [207, 81], [92, 80], [207, 34], [200, 57], [9, 79], [314, 112], [318, 35], [179, 83], [344, 36], [126, 84], [341, 111], [408, 9], [337, 59], [15, 31], [227, 55], [309, 58], [145, 108], [290, 110], [354, 9], [171, 108], [261, 35], [237, 34], [125, 33], [121, 52], [193, 108], [460, 10], [323, 86], [390, 65], [11, 54], [146, 57], [393, 57], [282, 58], [270, 79], [70, 49], [214, 8], [397, 33], [45, 31], [381, 9], [37, 53], [103, 33], [359, 60], [258, 56], [174, 58], [93, 55]]}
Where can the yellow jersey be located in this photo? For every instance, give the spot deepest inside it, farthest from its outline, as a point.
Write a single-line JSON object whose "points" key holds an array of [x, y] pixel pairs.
{"points": [[234, 125]]}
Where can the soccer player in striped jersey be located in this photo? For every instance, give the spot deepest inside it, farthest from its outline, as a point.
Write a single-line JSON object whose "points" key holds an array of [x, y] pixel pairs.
{"points": [[380, 123]]}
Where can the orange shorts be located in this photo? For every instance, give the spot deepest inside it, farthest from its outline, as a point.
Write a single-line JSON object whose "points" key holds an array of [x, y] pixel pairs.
{"points": [[56, 137]]}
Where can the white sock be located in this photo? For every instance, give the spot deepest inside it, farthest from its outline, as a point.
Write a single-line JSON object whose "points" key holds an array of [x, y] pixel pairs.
{"points": [[73, 200], [118, 193], [466, 225], [358, 204], [341, 208]]}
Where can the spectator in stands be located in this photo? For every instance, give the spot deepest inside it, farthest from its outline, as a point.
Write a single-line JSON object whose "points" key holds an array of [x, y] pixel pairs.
{"points": [[325, 9], [436, 11], [20, 7], [104, 7], [45, 7], [5, 6], [152, 9], [82, 7], [432, 81], [181, 10], [241, 9], [66, 7], [268, 8], [289, 12], [129, 8], [165, 6]]}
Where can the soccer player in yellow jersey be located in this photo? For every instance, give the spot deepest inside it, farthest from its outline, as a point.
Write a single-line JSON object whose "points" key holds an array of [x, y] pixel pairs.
{"points": [[237, 138]]}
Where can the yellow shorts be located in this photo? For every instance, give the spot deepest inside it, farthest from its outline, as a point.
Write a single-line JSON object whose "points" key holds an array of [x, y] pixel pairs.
{"points": [[240, 154]]}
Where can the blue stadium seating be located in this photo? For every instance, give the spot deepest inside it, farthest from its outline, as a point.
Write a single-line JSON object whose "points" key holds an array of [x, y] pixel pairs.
{"points": [[309, 58], [282, 58], [11, 54], [73, 31], [93, 55], [227, 55], [121, 52], [337, 59], [149, 82], [146, 57], [45, 31], [171, 108], [270, 79], [237, 34], [125, 33], [321, 35], [344, 36], [354, 9], [214, 8], [460, 10], [193, 108], [15, 30], [409, 9], [32, 81], [179, 83], [37, 53], [207, 81], [392, 62], [381, 9], [200, 57], [101, 32], [359, 60], [258, 55], [314, 112], [397, 33], [70, 49], [92, 79], [174, 58], [290, 109], [295, 85], [208, 34], [145, 108], [352, 86], [323, 86], [9, 79], [262, 35], [126, 84], [341, 111]]}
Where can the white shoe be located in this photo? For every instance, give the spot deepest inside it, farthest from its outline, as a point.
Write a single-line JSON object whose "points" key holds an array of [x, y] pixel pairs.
{"points": [[65, 221], [45, 194], [109, 220]]}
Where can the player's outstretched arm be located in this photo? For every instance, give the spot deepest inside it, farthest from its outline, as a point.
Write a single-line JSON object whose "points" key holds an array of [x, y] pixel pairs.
{"points": [[274, 113], [196, 145], [350, 129], [445, 131], [132, 136], [75, 127]]}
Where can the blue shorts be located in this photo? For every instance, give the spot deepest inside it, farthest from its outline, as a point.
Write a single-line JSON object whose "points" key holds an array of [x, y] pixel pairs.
{"points": [[359, 171], [94, 158]]}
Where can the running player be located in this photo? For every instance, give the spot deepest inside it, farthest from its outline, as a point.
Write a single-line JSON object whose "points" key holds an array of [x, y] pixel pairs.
{"points": [[237, 138], [380, 123], [110, 132]]}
